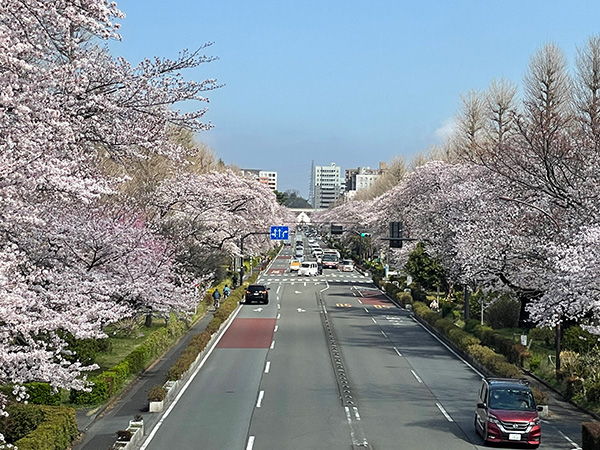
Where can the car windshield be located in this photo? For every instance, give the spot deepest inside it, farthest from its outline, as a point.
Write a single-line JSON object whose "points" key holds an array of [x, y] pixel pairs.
{"points": [[329, 257], [512, 399], [346, 263]]}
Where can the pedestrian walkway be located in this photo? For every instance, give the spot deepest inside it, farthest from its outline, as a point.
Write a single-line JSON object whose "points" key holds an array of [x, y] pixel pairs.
{"points": [[100, 425]]}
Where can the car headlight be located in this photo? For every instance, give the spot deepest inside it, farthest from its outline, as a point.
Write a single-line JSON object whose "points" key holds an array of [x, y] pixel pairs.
{"points": [[493, 419]]}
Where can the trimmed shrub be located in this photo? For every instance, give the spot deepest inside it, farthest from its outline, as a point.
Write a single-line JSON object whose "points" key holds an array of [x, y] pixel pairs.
{"points": [[590, 435], [157, 394], [504, 313], [56, 432], [404, 298], [42, 394], [22, 420], [96, 394]]}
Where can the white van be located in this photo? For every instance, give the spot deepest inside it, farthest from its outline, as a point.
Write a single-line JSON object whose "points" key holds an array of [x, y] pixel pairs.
{"points": [[309, 269]]}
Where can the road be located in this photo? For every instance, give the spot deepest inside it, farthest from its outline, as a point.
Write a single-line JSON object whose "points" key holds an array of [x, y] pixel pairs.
{"points": [[330, 363]]}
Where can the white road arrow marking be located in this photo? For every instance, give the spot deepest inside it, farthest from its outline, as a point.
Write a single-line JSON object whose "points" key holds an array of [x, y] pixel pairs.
{"points": [[258, 310]]}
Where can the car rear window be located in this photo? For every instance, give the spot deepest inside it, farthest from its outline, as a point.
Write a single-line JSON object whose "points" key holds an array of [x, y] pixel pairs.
{"points": [[256, 288]]}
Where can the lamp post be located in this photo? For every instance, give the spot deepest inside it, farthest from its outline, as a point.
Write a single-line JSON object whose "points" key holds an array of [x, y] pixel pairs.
{"points": [[252, 233]]}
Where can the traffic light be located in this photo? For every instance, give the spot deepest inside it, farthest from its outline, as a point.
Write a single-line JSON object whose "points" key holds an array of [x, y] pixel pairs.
{"points": [[337, 229], [395, 234]]}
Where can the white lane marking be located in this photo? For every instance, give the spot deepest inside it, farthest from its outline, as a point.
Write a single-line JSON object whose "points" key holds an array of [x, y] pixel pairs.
{"points": [[397, 351], [278, 305], [416, 376], [384, 335], [278, 288], [365, 308], [278, 316], [267, 366], [186, 385], [250, 445], [449, 349], [374, 321], [261, 395], [446, 415], [574, 444], [300, 310], [276, 328], [272, 345], [359, 301]]}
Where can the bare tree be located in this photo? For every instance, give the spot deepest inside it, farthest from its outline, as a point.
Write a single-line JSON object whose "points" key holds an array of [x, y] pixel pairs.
{"points": [[587, 92], [466, 144]]}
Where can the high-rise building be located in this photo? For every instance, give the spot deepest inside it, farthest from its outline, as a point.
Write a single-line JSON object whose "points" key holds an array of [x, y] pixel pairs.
{"points": [[328, 185]]}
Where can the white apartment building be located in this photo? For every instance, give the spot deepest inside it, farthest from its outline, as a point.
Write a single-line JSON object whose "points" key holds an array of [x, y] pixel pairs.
{"points": [[362, 178], [262, 176], [328, 185]]}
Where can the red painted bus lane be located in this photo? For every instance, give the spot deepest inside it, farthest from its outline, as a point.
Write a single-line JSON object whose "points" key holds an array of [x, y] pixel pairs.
{"points": [[248, 333]]}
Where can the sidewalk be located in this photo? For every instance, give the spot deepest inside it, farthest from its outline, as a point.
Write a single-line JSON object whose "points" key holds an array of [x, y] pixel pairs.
{"points": [[100, 425]]}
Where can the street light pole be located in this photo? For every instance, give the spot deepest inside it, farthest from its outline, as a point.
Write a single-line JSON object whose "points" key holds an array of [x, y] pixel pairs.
{"points": [[252, 233]]}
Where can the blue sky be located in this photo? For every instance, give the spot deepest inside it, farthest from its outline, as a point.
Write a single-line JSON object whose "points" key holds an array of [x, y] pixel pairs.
{"points": [[348, 82]]}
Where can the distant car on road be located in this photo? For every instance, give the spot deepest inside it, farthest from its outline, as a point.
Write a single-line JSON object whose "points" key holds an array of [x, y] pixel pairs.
{"points": [[295, 265], [346, 265], [257, 293], [309, 269], [506, 412]]}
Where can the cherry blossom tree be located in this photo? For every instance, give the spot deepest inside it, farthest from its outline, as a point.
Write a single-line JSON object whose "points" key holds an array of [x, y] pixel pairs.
{"points": [[213, 211], [67, 260]]}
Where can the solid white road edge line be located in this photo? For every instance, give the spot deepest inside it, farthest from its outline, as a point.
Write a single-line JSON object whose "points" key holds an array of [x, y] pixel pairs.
{"points": [[449, 349], [186, 385]]}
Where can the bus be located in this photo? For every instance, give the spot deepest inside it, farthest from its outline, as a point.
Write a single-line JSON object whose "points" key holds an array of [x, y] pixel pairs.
{"points": [[330, 259]]}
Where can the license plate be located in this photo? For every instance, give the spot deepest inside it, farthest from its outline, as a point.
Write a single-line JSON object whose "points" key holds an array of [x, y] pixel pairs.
{"points": [[514, 437]]}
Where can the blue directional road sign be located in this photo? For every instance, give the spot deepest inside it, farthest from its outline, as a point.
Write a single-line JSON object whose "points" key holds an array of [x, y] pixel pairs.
{"points": [[280, 233]]}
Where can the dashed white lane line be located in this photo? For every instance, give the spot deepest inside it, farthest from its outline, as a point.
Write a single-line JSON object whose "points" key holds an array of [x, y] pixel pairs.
{"points": [[446, 415], [261, 395], [267, 366], [416, 376], [250, 445]]}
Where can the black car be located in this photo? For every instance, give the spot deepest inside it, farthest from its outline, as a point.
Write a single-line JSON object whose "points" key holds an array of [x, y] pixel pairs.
{"points": [[257, 293]]}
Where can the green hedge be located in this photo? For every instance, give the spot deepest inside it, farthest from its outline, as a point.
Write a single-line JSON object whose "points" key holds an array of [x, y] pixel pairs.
{"points": [[21, 420], [200, 341], [111, 381], [56, 432]]}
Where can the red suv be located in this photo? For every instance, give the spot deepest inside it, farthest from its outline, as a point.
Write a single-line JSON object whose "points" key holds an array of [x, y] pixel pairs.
{"points": [[506, 412]]}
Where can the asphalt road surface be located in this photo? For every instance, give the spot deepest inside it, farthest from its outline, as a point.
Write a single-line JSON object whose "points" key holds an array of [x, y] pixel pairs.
{"points": [[330, 363]]}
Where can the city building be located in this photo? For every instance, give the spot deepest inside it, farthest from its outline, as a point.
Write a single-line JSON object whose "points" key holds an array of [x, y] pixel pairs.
{"points": [[362, 178], [268, 178], [327, 186]]}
